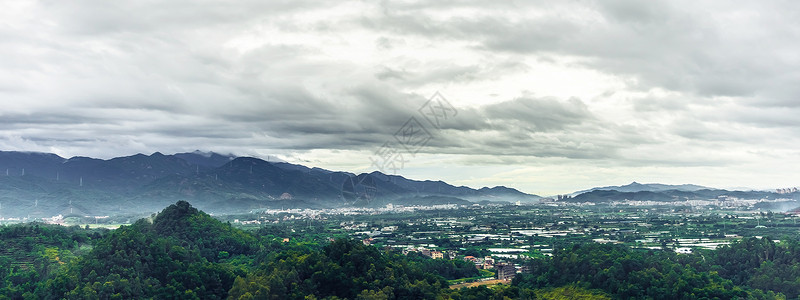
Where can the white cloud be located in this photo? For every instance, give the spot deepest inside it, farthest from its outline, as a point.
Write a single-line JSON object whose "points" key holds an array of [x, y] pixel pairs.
{"points": [[552, 95]]}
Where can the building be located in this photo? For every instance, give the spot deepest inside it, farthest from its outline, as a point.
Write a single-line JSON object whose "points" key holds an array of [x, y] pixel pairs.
{"points": [[426, 252], [506, 271], [547, 200], [487, 265], [437, 255]]}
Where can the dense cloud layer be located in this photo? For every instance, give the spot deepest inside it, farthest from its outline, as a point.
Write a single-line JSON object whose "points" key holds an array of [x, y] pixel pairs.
{"points": [[619, 90]]}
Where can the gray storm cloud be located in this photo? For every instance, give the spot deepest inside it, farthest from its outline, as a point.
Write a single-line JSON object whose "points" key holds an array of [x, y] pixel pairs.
{"points": [[665, 80]]}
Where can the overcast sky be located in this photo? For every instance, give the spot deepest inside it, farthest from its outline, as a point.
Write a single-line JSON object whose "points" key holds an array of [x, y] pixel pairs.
{"points": [[547, 96]]}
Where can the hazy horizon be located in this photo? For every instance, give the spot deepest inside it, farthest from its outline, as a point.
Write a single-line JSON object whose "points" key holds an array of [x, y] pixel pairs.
{"points": [[274, 159]]}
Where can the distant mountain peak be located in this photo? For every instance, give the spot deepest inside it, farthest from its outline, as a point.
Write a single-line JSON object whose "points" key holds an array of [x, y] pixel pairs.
{"points": [[202, 153], [205, 159], [646, 187], [209, 154], [82, 158]]}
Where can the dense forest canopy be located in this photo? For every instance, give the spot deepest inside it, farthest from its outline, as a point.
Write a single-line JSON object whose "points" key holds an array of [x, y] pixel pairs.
{"points": [[183, 253]]}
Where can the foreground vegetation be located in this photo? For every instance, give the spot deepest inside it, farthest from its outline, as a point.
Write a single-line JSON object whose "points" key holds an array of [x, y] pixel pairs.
{"points": [[183, 253]]}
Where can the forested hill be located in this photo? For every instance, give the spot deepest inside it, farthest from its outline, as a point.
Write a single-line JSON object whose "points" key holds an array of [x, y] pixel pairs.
{"points": [[174, 255], [183, 253]]}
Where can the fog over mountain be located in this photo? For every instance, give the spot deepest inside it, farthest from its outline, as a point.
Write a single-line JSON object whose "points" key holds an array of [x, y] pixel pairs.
{"points": [[44, 185]]}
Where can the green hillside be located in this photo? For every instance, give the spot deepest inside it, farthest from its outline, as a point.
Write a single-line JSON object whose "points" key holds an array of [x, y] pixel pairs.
{"points": [[184, 253]]}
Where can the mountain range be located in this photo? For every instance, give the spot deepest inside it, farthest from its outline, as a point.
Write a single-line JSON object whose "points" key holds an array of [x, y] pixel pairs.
{"points": [[678, 193], [34, 184], [647, 187]]}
